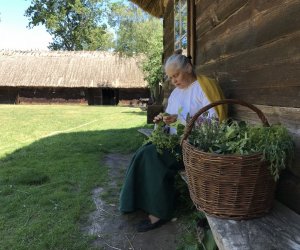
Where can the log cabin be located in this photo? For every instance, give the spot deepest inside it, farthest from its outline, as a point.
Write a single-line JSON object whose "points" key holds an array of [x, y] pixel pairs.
{"points": [[252, 47], [86, 77]]}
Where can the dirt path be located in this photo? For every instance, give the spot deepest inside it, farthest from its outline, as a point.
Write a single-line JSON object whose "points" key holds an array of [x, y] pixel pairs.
{"points": [[116, 231]]}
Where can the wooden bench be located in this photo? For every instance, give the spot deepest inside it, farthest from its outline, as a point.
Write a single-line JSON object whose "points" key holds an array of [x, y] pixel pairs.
{"points": [[278, 230], [145, 131]]}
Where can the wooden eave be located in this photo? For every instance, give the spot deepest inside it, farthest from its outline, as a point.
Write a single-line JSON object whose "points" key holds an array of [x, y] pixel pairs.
{"points": [[153, 7]]}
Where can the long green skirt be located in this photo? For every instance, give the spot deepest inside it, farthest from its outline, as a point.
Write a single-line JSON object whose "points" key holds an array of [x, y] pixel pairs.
{"points": [[149, 183]]}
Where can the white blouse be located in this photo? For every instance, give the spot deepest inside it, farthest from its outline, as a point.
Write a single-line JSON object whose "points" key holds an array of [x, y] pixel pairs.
{"points": [[188, 100]]}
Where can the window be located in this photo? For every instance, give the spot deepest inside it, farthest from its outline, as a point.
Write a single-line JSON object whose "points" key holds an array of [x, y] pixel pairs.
{"points": [[180, 25]]}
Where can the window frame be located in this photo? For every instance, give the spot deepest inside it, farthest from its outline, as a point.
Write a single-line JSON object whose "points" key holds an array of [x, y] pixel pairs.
{"points": [[189, 35], [180, 32]]}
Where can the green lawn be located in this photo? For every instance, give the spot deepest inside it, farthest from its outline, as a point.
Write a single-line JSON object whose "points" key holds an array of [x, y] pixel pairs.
{"points": [[50, 160]]}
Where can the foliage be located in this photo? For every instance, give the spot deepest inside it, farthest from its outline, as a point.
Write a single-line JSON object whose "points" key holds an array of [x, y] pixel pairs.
{"points": [[152, 68], [190, 234], [136, 31], [232, 137], [74, 24], [276, 145], [193, 236], [139, 33], [163, 140], [51, 158]]}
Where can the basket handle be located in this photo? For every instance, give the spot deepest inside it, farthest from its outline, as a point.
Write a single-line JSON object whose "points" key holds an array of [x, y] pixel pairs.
{"points": [[190, 125]]}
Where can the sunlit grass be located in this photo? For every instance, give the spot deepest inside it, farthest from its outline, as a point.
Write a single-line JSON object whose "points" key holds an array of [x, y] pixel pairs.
{"points": [[50, 160]]}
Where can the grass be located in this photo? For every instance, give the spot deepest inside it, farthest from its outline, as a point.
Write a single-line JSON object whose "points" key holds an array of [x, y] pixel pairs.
{"points": [[50, 160], [188, 223]]}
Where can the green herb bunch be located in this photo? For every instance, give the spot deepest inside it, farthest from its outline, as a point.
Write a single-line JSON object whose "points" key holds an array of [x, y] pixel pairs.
{"points": [[233, 137], [163, 140], [275, 143]]}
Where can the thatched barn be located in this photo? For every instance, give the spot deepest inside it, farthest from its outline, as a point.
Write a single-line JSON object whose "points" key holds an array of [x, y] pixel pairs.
{"points": [[96, 78], [252, 47]]}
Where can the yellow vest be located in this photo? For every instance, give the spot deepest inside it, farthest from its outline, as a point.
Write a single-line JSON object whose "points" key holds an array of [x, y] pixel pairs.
{"points": [[214, 93]]}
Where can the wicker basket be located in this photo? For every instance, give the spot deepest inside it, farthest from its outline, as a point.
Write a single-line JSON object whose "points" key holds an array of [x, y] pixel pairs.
{"points": [[228, 186]]}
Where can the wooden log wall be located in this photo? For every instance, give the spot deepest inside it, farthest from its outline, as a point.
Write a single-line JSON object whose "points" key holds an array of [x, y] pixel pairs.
{"points": [[168, 42], [51, 95], [253, 48], [8, 95], [133, 93]]}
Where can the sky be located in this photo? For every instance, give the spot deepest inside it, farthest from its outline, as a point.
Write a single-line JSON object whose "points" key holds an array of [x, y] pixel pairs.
{"points": [[13, 31]]}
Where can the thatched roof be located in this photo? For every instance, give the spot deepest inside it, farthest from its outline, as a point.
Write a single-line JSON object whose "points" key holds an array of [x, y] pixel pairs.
{"points": [[69, 69], [153, 7]]}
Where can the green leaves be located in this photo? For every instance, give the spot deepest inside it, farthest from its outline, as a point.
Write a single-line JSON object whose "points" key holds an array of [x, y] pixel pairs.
{"points": [[139, 33], [232, 137], [276, 144], [74, 24], [165, 141]]}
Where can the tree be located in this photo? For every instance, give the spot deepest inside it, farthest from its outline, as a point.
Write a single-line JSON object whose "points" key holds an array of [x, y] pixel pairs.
{"points": [[74, 24], [139, 33]]}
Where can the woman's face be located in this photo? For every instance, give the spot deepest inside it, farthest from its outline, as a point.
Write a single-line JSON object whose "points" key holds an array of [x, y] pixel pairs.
{"points": [[180, 79]]}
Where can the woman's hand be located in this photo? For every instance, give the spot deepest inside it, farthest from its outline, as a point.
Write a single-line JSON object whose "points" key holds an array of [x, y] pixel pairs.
{"points": [[168, 119], [158, 118], [165, 117]]}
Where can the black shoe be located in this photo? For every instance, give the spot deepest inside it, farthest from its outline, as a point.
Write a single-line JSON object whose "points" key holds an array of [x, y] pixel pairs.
{"points": [[202, 223], [146, 225]]}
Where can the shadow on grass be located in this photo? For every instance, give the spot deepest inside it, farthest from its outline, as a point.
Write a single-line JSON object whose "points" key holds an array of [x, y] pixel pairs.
{"points": [[135, 112], [64, 151], [47, 185]]}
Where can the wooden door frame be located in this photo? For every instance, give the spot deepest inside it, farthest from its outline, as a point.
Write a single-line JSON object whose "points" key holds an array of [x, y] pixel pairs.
{"points": [[191, 30]]}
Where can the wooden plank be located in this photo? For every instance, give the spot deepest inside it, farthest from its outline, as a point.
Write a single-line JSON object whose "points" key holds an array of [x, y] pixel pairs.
{"points": [[278, 21], [278, 230], [168, 38], [204, 18], [283, 74], [168, 50], [214, 14], [211, 13], [192, 31], [280, 52], [265, 5], [281, 96], [254, 31], [203, 6], [169, 45], [285, 115], [249, 74], [228, 8], [146, 131]]}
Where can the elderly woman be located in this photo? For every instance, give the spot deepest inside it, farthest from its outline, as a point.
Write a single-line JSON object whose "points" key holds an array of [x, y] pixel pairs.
{"points": [[149, 182]]}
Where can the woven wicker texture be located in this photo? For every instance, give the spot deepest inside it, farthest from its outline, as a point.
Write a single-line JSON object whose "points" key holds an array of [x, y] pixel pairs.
{"points": [[228, 186]]}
